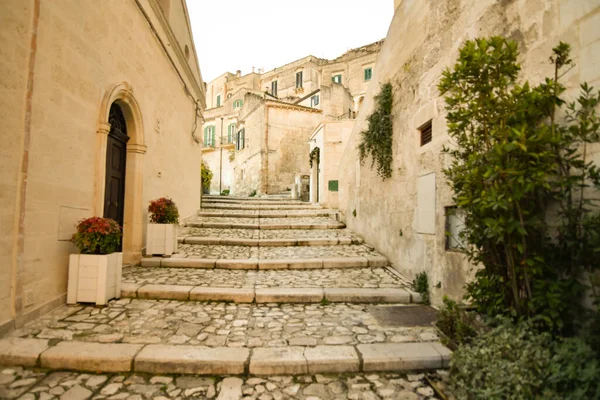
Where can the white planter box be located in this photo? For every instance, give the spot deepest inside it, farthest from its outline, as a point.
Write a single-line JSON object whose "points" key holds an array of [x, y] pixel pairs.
{"points": [[94, 278], [161, 239]]}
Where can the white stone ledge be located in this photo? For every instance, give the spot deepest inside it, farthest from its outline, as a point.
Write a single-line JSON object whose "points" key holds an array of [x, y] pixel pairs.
{"points": [[89, 356]]}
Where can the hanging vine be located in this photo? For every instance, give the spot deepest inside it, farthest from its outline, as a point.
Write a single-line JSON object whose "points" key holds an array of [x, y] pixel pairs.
{"points": [[314, 155], [376, 140]]}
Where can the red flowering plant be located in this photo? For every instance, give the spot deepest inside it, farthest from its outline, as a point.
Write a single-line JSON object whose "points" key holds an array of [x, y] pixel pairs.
{"points": [[97, 236], [163, 211]]}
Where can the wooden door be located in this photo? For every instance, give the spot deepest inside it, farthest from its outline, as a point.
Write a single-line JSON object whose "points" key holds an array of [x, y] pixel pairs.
{"points": [[116, 158]]}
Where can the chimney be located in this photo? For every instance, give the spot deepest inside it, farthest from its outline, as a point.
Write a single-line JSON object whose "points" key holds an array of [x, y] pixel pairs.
{"points": [[238, 73]]}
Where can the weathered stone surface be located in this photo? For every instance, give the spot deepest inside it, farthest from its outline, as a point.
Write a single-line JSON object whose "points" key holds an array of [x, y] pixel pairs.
{"points": [[167, 292], [231, 389], [129, 289], [365, 295], [191, 360], [17, 351], [222, 294], [399, 356], [189, 262], [151, 261], [330, 359], [289, 295], [85, 356], [251, 263], [344, 262], [76, 393], [278, 361]]}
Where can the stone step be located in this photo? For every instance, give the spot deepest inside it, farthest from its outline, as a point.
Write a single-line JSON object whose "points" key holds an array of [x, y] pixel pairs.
{"points": [[245, 199], [271, 202], [256, 234], [183, 359], [266, 263], [201, 240], [223, 206], [267, 214], [266, 225], [268, 295]]}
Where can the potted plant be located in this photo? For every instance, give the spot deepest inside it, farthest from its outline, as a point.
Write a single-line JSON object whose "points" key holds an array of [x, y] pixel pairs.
{"points": [[161, 237], [95, 273]]}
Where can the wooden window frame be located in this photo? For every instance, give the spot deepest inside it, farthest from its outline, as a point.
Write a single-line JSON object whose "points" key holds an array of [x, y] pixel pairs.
{"points": [[426, 133], [299, 74]]}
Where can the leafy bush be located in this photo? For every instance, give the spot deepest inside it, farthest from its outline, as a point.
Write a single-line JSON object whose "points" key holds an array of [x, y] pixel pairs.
{"points": [[456, 323], [252, 193], [520, 176], [421, 286], [163, 211], [376, 140], [206, 175], [225, 192], [514, 362], [97, 236]]}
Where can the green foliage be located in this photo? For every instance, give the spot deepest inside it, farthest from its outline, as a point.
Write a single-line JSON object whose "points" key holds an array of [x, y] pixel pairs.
{"points": [[354, 212], [515, 362], [421, 286], [315, 155], [376, 141], [163, 211], [456, 323], [516, 169], [252, 193], [225, 192], [206, 175], [97, 236]]}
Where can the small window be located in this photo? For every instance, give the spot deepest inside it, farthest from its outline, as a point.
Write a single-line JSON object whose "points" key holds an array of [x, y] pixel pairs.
{"points": [[337, 78], [368, 74], [314, 101], [238, 103], [299, 79], [274, 88], [229, 95], [209, 136], [219, 100], [455, 224], [426, 133], [239, 144]]}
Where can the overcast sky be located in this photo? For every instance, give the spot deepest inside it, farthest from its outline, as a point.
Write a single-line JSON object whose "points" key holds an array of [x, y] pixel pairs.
{"points": [[241, 34]]}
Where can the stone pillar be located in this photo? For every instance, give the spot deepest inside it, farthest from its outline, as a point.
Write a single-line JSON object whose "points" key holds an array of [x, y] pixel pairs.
{"points": [[133, 220], [100, 170]]}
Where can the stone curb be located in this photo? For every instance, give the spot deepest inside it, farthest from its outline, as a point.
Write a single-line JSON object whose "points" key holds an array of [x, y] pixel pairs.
{"points": [[225, 214], [273, 263], [267, 295], [302, 226], [182, 359], [265, 207], [208, 241]]}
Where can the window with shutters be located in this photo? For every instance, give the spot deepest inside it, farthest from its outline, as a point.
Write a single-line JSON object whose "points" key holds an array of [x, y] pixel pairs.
{"points": [[314, 101], [219, 100], [238, 103], [337, 78], [299, 79], [240, 139], [368, 74], [426, 132], [274, 88], [230, 133], [209, 136]]}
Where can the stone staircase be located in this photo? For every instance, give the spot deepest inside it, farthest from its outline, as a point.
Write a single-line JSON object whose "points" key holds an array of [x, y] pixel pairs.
{"points": [[261, 286]]}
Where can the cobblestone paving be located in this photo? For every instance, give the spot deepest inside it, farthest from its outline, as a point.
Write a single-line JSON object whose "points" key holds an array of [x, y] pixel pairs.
{"points": [[268, 233], [221, 324], [39, 384], [346, 277], [296, 252]]}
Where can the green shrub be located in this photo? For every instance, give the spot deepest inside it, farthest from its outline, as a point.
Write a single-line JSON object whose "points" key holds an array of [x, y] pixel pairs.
{"points": [[225, 192], [456, 323], [519, 173], [515, 362], [97, 236], [163, 211], [421, 286], [252, 193], [206, 175]]}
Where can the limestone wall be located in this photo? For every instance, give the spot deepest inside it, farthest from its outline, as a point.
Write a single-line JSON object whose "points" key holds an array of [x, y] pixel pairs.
{"points": [[422, 41], [286, 78], [83, 50]]}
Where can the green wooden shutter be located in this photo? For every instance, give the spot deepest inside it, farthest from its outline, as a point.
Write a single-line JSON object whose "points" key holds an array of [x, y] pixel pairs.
{"points": [[212, 144], [205, 135]]}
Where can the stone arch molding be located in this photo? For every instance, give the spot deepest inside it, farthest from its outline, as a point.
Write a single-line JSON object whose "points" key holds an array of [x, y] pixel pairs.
{"points": [[133, 219]]}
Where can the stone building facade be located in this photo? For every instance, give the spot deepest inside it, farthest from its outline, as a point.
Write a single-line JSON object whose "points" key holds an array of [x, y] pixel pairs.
{"points": [[73, 74], [406, 217], [335, 88]]}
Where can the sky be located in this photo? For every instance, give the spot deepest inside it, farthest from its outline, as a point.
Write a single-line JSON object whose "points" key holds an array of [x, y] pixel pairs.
{"points": [[233, 35]]}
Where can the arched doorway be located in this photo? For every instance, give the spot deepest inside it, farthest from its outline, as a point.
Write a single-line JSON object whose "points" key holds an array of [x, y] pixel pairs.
{"points": [[116, 162], [120, 150]]}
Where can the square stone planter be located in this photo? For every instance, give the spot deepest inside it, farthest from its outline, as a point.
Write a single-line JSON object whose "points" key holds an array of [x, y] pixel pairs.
{"points": [[94, 278], [161, 239]]}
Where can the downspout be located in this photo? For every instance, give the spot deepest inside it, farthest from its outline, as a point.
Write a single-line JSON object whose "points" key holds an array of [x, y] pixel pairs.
{"points": [[16, 290], [265, 157]]}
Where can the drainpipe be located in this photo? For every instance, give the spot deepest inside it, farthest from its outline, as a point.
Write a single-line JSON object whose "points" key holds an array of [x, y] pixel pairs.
{"points": [[221, 160]]}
